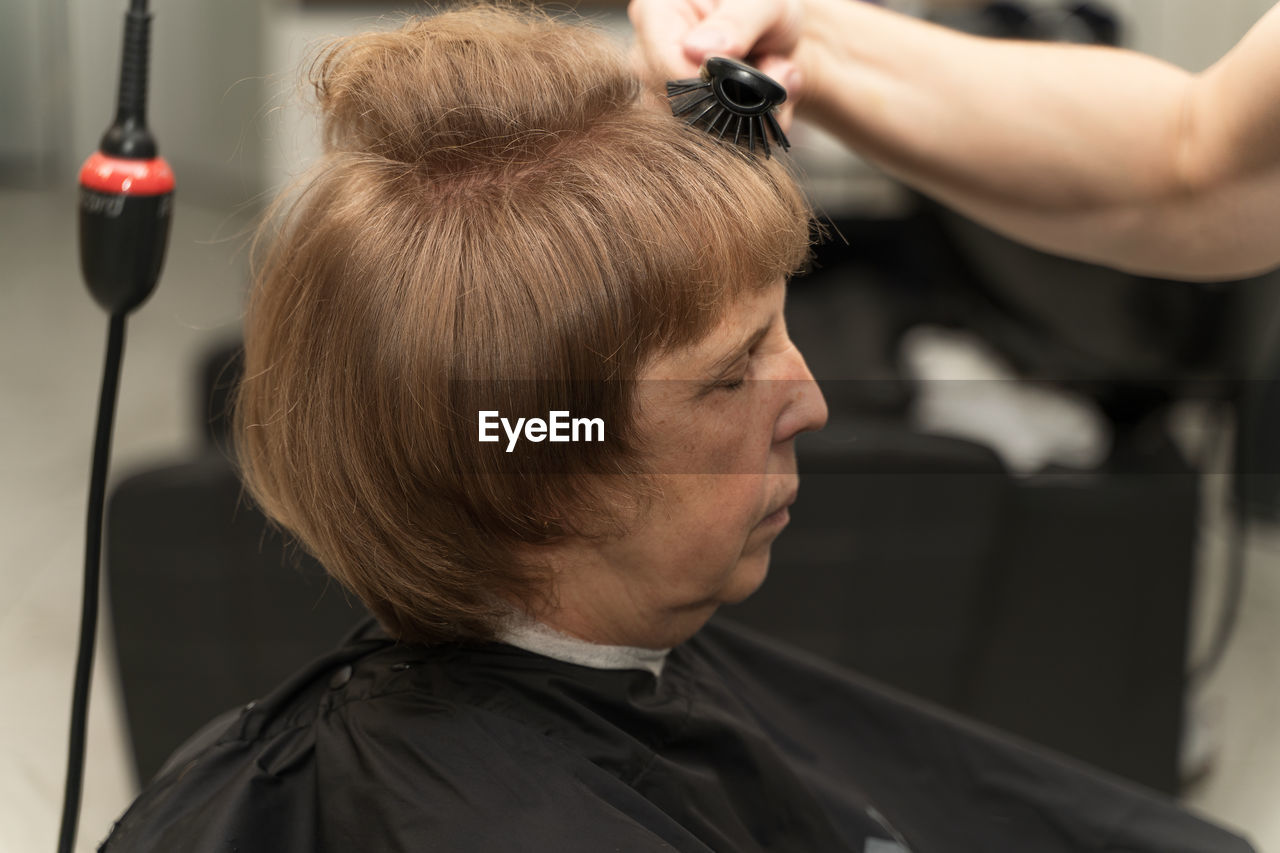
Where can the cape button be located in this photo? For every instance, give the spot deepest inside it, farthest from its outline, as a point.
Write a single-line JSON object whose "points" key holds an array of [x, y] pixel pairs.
{"points": [[340, 678]]}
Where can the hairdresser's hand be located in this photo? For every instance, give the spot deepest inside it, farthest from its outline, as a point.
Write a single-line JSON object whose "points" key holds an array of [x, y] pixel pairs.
{"points": [[674, 37]]}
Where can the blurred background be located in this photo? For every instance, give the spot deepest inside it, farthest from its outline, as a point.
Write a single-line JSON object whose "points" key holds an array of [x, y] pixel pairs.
{"points": [[1047, 498]]}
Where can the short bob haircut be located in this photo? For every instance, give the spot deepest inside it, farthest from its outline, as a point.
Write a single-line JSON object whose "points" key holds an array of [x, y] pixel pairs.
{"points": [[502, 219]]}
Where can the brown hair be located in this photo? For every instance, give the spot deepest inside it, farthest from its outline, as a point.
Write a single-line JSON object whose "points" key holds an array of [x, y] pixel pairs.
{"points": [[501, 220]]}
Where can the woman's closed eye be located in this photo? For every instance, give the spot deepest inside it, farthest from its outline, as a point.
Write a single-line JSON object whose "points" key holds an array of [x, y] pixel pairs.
{"points": [[735, 376]]}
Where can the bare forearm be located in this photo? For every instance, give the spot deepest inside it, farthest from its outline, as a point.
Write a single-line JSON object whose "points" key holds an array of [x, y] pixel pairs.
{"points": [[1102, 154]]}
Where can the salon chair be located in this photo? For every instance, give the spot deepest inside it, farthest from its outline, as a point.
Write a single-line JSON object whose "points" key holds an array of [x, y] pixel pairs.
{"points": [[915, 559], [889, 565], [210, 607], [1054, 606]]}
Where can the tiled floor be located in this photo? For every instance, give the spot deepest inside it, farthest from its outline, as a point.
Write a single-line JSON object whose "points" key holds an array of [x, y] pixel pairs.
{"points": [[51, 341]]}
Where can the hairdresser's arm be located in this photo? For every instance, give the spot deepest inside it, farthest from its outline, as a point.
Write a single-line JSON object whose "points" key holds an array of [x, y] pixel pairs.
{"points": [[1102, 154]]}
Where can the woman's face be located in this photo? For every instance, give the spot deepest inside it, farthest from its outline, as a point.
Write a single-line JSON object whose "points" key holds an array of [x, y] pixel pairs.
{"points": [[719, 421]]}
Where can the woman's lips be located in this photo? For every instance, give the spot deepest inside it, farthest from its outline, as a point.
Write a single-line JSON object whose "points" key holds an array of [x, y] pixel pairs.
{"points": [[780, 516]]}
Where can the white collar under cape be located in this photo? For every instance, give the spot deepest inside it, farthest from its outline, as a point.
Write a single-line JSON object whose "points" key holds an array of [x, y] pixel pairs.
{"points": [[547, 641]]}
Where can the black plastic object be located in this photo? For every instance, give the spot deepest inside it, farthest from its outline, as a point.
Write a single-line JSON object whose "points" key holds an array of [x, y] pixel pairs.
{"points": [[126, 194], [128, 135], [125, 210], [1083, 23], [126, 189], [731, 97], [210, 605]]}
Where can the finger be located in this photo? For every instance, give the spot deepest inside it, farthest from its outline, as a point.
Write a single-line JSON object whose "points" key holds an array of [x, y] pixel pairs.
{"points": [[660, 27], [737, 27], [787, 73], [785, 115]]}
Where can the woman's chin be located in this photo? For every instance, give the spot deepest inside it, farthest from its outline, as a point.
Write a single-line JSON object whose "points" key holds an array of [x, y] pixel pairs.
{"points": [[748, 577]]}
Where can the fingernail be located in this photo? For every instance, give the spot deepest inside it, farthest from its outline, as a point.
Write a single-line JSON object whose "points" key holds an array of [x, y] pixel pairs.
{"points": [[706, 41], [793, 81]]}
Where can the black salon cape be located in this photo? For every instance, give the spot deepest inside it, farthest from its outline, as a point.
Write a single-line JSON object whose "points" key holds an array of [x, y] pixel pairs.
{"points": [[741, 745]]}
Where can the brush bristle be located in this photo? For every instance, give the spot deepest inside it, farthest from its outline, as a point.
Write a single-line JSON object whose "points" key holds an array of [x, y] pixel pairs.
{"points": [[696, 102]]}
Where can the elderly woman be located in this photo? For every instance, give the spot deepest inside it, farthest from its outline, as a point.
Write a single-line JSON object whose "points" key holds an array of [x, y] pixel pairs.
{"points": [[518, 375]]}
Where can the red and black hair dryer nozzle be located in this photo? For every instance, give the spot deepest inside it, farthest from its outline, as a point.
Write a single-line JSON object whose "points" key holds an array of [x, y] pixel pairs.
{"points": [[126, 189]]}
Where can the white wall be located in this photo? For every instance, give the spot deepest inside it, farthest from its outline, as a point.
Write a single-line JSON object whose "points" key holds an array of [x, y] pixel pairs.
{"points": [[59, 60], [206, 61], [33, 88], [292, 35], [1190, 33]]}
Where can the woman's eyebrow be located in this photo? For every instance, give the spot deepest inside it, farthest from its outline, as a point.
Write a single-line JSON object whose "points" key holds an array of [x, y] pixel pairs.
{"points": [[735, 353]]}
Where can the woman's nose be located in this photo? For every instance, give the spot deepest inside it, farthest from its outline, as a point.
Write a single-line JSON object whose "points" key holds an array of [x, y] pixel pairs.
{"points": [[805, 408]]}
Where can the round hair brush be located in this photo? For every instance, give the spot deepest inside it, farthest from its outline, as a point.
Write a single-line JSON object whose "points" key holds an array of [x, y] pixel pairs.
{"points": [[731, 101]]}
